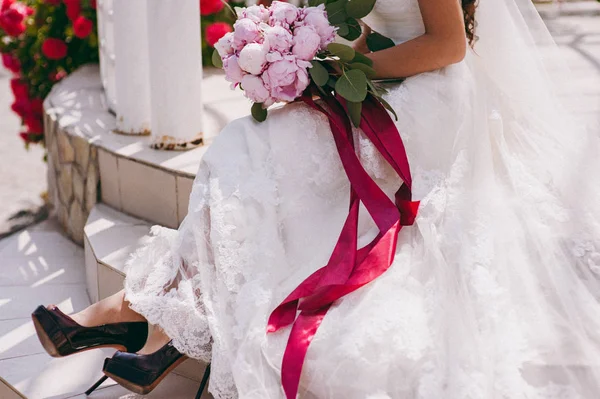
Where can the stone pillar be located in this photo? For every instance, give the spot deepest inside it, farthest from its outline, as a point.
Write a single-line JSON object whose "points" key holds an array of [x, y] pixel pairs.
{"points": [[131, 68], [106, 37], [175, 73]]}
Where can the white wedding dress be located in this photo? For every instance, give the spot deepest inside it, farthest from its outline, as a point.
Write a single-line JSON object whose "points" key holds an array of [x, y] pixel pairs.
{"points": [[494, 291]]}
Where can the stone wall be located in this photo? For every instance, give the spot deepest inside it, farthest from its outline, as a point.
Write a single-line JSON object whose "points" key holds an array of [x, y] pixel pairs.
{"points": [[73, 177]]}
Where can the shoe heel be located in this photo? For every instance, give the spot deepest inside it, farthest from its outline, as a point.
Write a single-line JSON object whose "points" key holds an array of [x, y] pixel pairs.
{"points": [[96, 385], [51, 337]]}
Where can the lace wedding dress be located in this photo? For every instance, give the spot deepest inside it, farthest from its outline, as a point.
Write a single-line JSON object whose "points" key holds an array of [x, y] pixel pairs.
{"points": [[494, 292]]}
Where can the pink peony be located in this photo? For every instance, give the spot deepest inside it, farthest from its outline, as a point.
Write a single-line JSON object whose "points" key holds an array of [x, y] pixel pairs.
{"points": [[233, 72], [306, 42], [255, 89], [279, 38], [317, 18], [283, 13], [252, 58], [245, 31], [225, 45], [255, 13], [287, 78]]}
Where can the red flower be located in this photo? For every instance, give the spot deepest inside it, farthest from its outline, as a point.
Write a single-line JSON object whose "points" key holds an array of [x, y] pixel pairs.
{"points": [[54, 49], [11, 63], [216, 31], [208, 7], [73, 9], [37, 108], [93, 4], [31, 137], [12, 17], [82, 27], [20, 89], [34, 125]]}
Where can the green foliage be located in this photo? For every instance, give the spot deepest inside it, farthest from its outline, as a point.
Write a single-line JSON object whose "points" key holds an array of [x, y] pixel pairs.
{"points": [[378, 42], [259, 113], [319, 73], [352, 85]]}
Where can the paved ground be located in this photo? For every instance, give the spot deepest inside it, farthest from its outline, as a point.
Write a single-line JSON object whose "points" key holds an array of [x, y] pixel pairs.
{"points": [[22, 172]]}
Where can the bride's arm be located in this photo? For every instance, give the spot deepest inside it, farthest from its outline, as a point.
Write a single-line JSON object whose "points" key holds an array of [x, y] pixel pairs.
{"points": [[443, 43]]}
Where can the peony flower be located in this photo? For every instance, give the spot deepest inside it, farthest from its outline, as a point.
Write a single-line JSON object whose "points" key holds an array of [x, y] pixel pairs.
{"points": [[252, 58], [12, 17], [82, 27], [279, 38], [233, 72], [257, 13], [11, 63], [216, 31], [245, 31], [287, 79], [317, 18], [224, 45], [208, 7], [54, 49], [73, 9], [255, 89], [283, 13], [306, 42]]}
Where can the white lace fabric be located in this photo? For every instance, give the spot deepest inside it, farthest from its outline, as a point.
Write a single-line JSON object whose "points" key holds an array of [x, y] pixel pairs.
{"points": [[494, 292]]}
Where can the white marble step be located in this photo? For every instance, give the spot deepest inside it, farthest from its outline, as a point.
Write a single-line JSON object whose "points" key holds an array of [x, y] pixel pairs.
{"points": [[41, 266], [110, 238]]}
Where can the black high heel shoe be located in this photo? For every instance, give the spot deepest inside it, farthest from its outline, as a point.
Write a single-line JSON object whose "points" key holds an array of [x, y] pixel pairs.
{"points": [[142, 373], [62, 336]]}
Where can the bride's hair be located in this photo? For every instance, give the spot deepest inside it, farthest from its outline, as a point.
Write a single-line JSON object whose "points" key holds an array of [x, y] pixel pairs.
{"points": [[469, 7]]}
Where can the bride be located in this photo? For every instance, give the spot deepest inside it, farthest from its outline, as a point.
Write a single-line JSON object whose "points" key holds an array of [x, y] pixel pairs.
{"points": [[494, 291]]}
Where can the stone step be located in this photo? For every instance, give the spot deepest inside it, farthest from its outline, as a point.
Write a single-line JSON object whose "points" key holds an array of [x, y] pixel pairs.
{"points": [[88, 161], [41, 266], [110, 238]]}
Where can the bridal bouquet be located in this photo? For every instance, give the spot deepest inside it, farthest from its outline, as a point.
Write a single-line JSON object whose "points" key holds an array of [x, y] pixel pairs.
{"points": [[275, 53]]}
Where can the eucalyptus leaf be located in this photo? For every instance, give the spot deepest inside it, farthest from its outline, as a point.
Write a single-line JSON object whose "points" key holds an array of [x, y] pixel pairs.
{"points": [[359, 57], [378, 42], [258, 112], [352, 85], [388, 107], [336, 11], [216, 59], [374, 89], [319, 73], [359, 8], [345, 53], [354, 30], [370, 72], [343, 30], [355, 112], [332, 82]]}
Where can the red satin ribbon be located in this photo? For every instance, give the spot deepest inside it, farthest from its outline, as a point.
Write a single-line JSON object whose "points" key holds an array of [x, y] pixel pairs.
{"points": [[349, 268]]}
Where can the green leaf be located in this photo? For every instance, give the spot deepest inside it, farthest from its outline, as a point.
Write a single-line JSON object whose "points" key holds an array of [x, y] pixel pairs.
{"points": [[314, 3], [332, 82], [374, 89], [363, 59], [258, 112], [354, 30], [355, 112], [370, 72], [378, 42], [216, 59], [319, 73], [352, 85], [388, 107], [336, 12], [345, 53], [359, 8], [343, 30]]}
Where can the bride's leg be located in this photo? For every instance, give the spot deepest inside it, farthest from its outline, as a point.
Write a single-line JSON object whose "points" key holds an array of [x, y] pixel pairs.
{"points": [[114, 309]]}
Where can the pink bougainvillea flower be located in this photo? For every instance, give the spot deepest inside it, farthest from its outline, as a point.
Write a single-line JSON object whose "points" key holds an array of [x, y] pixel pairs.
{"points": [[82, 27], [208, 7], [13, 15], [216, 31], [54, 49], [11, 63]]}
